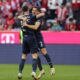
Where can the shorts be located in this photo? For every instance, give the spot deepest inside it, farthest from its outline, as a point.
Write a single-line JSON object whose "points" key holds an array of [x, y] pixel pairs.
{"points": [[29, 45], [40, 42]]}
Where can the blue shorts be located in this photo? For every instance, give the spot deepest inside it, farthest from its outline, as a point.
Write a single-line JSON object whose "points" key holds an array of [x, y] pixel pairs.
{"points": [[29, 45], [40, 41]]}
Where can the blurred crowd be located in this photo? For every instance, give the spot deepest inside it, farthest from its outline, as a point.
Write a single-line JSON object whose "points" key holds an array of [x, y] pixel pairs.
{"points": [[60, 15]]}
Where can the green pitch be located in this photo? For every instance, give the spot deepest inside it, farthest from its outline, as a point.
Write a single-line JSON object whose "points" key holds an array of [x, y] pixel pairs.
{"points": [[10, 71]]}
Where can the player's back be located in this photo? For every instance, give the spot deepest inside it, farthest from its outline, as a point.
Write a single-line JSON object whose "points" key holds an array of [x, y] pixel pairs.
{"points": [[30, 20]]}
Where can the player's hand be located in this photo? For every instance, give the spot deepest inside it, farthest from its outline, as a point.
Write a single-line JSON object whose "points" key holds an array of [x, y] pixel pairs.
{"points": [[43, 14], [24, 19], [24, 24]]}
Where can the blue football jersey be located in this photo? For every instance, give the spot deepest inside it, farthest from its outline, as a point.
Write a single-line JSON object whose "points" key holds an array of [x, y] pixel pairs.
{"points": [[31, 21]]}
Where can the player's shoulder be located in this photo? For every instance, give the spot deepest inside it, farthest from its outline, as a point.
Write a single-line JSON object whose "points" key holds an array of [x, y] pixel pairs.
{"points": [[39, 19], [33, 17], [31, 14]]}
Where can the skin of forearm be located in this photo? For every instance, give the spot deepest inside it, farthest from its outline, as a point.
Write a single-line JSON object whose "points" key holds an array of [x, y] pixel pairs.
{"points": [[32, 26]]}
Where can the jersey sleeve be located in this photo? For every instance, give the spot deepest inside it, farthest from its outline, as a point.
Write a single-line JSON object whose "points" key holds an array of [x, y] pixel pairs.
{"points": [[34, 17], [38, 20]]}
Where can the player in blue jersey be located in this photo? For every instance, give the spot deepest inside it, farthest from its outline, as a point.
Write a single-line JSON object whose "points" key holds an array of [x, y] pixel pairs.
{"points": [[28, 44], [40, 41]]}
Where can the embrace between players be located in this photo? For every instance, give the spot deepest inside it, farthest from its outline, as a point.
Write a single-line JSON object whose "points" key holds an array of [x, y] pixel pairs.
{"points": [[33, 42]]}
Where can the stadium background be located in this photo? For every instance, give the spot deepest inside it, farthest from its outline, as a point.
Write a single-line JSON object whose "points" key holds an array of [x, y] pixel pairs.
{"points": [[62, 47], [63, 42]]}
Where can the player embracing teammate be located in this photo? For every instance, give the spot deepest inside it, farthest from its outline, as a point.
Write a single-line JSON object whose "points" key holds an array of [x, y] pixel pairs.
{"points": [[32, 41]]}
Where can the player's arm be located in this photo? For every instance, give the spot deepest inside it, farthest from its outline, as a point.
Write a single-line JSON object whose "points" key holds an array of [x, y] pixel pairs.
{"points": [[22, 18], [21, 36], [35, 26], [40, 15]]}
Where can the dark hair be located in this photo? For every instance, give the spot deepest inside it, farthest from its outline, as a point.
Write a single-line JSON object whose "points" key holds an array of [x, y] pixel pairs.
{"points": [[25, 8], [38, 9]]}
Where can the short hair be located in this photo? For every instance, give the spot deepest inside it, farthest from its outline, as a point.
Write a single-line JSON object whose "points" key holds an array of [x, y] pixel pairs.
{"points": [[38, 9], [25, 8]]}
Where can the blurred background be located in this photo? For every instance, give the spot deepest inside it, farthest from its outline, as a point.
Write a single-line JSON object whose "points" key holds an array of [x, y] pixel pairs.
{"points": [[61, 15], [60, 29]]}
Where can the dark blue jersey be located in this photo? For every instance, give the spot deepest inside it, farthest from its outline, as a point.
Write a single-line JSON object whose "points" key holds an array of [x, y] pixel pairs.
{"points": [[39, 37], [37, 32], [31, 21]]}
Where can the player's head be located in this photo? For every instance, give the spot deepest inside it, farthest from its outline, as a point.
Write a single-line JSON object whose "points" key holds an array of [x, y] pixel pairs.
{"points": [[36, 10], [24, 8]]}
